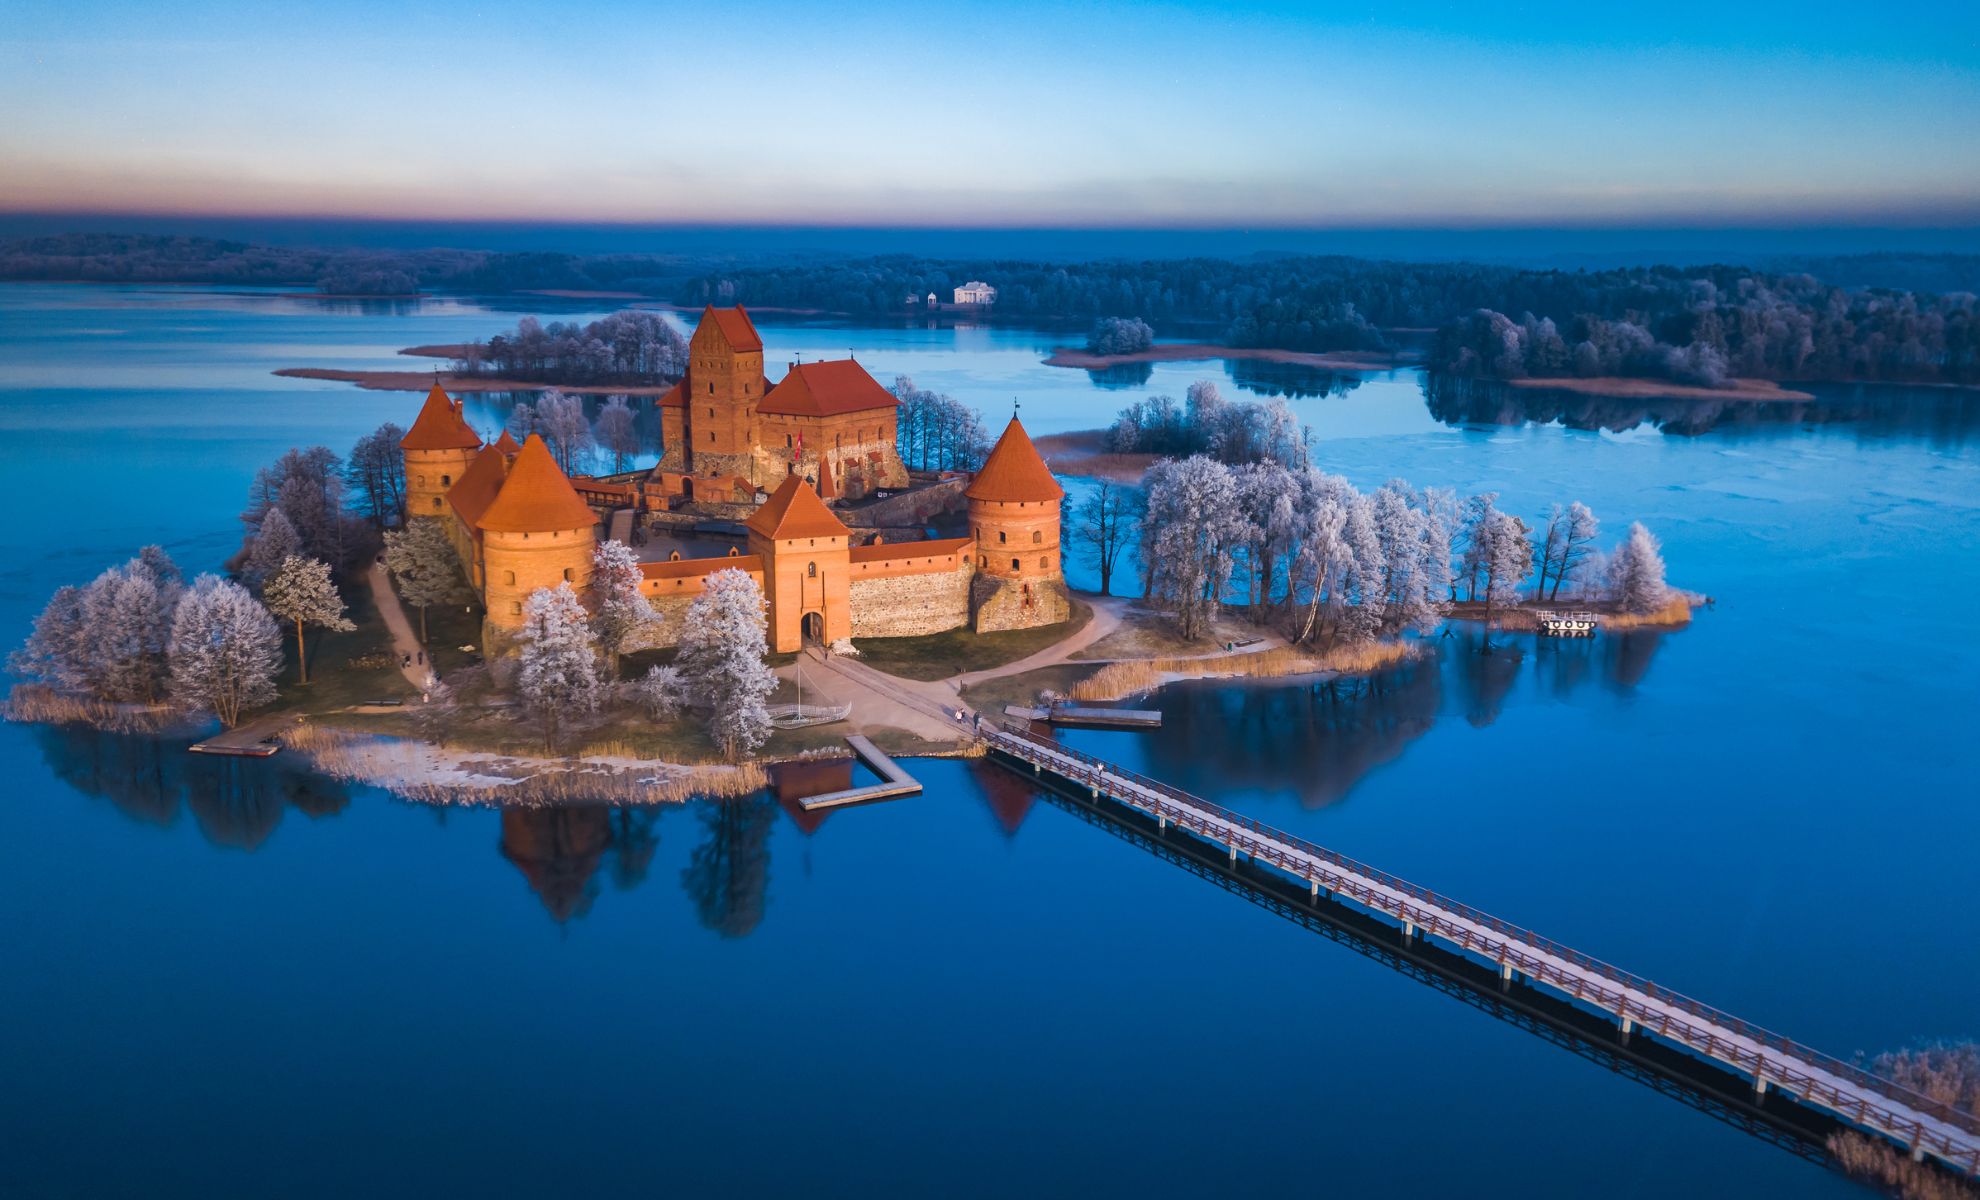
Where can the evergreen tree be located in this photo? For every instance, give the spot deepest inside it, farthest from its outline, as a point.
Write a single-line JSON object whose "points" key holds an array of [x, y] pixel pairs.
{"points": [[301, 593], [423, 563], [225, 650], [57, 653]]}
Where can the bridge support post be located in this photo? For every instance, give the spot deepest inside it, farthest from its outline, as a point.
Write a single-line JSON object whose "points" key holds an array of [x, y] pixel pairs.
{"points": [[1505, 973], [1162, 822], [1626, 1026], [1234, 854], [1918, 1152], [1409, 930], [1759, 1085], [1315, 887]]}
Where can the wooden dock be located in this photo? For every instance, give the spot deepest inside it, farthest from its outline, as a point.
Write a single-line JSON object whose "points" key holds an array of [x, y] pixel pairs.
{"points": [[256, 739], [1635, 1005], [1088, 716], [894, 781]]}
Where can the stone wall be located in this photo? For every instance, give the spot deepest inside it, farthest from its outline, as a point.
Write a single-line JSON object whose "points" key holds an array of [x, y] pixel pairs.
{"points": [[910, 605], [915, 508], [999, 603]]}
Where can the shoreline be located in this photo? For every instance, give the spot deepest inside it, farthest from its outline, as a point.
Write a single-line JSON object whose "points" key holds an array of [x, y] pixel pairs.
{"points": [[1619, 387], [1072, 356], [420, 381]]}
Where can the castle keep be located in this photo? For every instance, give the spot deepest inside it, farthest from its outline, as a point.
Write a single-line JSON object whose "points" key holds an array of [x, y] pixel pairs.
{"points": [[519, 523]]}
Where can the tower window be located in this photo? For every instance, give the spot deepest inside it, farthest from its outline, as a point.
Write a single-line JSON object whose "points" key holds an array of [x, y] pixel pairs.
{"points": [[1041, 562], [1037, 537], [1014, 564], [509, 577], [515, 608], [811, 569], [446, 481], [711, 435], [569, 578], [436, 502], [1000, 537], [711, 390]]}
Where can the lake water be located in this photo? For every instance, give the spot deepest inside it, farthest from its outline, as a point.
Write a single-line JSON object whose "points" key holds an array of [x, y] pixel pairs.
{"points": [[237, 979]]}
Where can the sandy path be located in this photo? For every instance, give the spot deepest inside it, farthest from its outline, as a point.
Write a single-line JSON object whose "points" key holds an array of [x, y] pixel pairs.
{"points": [[404, 643], [1107, 612]]}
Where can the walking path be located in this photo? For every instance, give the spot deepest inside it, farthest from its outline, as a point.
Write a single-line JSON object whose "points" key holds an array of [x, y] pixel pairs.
{"points": [[405, 644]]}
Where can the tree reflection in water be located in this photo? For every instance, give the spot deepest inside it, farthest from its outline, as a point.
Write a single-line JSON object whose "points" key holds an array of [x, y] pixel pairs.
{"points": [[558, 850], [729, 875], [1944, 416], [237, 802], [1322, 739], [1294, 381]]}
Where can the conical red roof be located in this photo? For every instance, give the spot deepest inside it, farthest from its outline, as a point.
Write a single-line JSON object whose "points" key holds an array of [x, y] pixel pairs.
{"points": [[507, 443], [440, 426], [795, 511], [1014, 472], [537, 497]]}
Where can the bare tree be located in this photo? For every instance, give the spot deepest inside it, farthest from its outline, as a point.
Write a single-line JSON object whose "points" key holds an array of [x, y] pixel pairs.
{"points": [[1108, 518], [617, 433], [376, 476]]}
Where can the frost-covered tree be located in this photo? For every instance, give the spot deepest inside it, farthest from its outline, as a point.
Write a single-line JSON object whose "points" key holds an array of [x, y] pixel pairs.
{"points": [[1360, 591], [1322, 562], [1412, 587], [308, 486], [226, 649], [1441, 515], [1576, 547], [58, 652], [1481, 513], [522, 420], [1104, 523], [270, 547], [625, 621], [1119, 335], [423, 563], [376, 476], [616, 433], [1636, 573], [561, 423], [1507, 556], [721, 657], [660, 693], [1268, 499], [1189, 538], [300, 592], [127, 618], [559, 666]]}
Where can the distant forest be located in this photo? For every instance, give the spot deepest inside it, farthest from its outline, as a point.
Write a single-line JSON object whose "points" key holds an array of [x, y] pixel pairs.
{"points": [[1909, 318]]}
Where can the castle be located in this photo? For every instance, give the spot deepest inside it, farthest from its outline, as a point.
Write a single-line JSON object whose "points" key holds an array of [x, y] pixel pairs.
{"points": [[519, 523]]}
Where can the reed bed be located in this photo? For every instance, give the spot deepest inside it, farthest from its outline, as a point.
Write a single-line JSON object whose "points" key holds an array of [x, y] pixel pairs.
{"points": [[33, 703], [1948, 1072], [1117, 681], [1676, 611], [609, 772]]}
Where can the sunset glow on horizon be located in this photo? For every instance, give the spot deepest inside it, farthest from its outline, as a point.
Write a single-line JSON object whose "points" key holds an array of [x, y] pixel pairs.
{"points": [[1018, 115]]}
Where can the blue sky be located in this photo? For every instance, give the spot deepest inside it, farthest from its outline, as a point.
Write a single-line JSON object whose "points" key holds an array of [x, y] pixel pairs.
{"points": [[1007, 114]]}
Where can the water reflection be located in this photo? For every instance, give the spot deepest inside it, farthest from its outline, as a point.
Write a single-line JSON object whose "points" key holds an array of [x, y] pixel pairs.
{"points": [[728, 877], [1324, 738], [237, 802], [559, 851], [1121, 375], [1943, 416], [1294, 381]]}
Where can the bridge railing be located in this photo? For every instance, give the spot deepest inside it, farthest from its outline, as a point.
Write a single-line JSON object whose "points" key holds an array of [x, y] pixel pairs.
{"points": [[1095, 772]]}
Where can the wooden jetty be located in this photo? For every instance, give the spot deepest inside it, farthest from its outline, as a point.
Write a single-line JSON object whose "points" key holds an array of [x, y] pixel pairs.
{"points": [[1817, 1081], [256, 739], [1088, 716], [894, 781]]}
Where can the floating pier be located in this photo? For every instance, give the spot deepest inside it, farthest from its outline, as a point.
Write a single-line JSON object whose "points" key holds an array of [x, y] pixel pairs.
{"points": [[894, 781], [256, 739], [1088, 716]]}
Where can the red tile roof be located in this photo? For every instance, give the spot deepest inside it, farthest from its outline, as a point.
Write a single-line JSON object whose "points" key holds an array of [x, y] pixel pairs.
{"points": [[883, 551], [1014, 472], [439, 426], [507, 443], [795, 511], [537, 497], [826, 389], [688, 568], [475, 490], [735, 327]]}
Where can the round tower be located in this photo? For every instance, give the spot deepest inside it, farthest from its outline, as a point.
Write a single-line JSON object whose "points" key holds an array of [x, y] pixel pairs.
{"points": [[437, 449], [537, 533], [1014, 517]]}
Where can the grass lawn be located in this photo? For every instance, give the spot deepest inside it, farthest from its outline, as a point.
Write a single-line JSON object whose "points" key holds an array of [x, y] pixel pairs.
{"points": [[448, 628], [335, 678], [940, 655]]}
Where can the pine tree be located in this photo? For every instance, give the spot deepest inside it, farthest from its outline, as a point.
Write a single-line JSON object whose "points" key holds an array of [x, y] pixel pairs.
{"points": [[273, 543], [559, 665], [721, 657], [301, 593], [625, 620], [225, 650], [423, 563]]}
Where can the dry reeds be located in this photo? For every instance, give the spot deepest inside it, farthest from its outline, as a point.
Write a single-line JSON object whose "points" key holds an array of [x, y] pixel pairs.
{"points": [[434, 774], [1676, 611], [33, 703], [1116, 681], [1948, 1072]]}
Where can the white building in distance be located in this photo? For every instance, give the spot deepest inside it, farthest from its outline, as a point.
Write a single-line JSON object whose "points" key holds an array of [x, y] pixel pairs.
{"points": [[976, 292]]}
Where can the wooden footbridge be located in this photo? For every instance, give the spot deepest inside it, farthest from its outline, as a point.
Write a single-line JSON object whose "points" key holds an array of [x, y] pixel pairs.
{"points": [[1810, 1078]]}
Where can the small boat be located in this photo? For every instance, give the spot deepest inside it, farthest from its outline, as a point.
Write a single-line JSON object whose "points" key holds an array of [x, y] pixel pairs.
{"points": [[1566, 624]]}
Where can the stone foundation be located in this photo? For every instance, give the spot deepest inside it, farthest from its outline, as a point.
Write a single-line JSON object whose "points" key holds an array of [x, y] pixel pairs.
{"points": [[910, 605], [998, 604]]}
